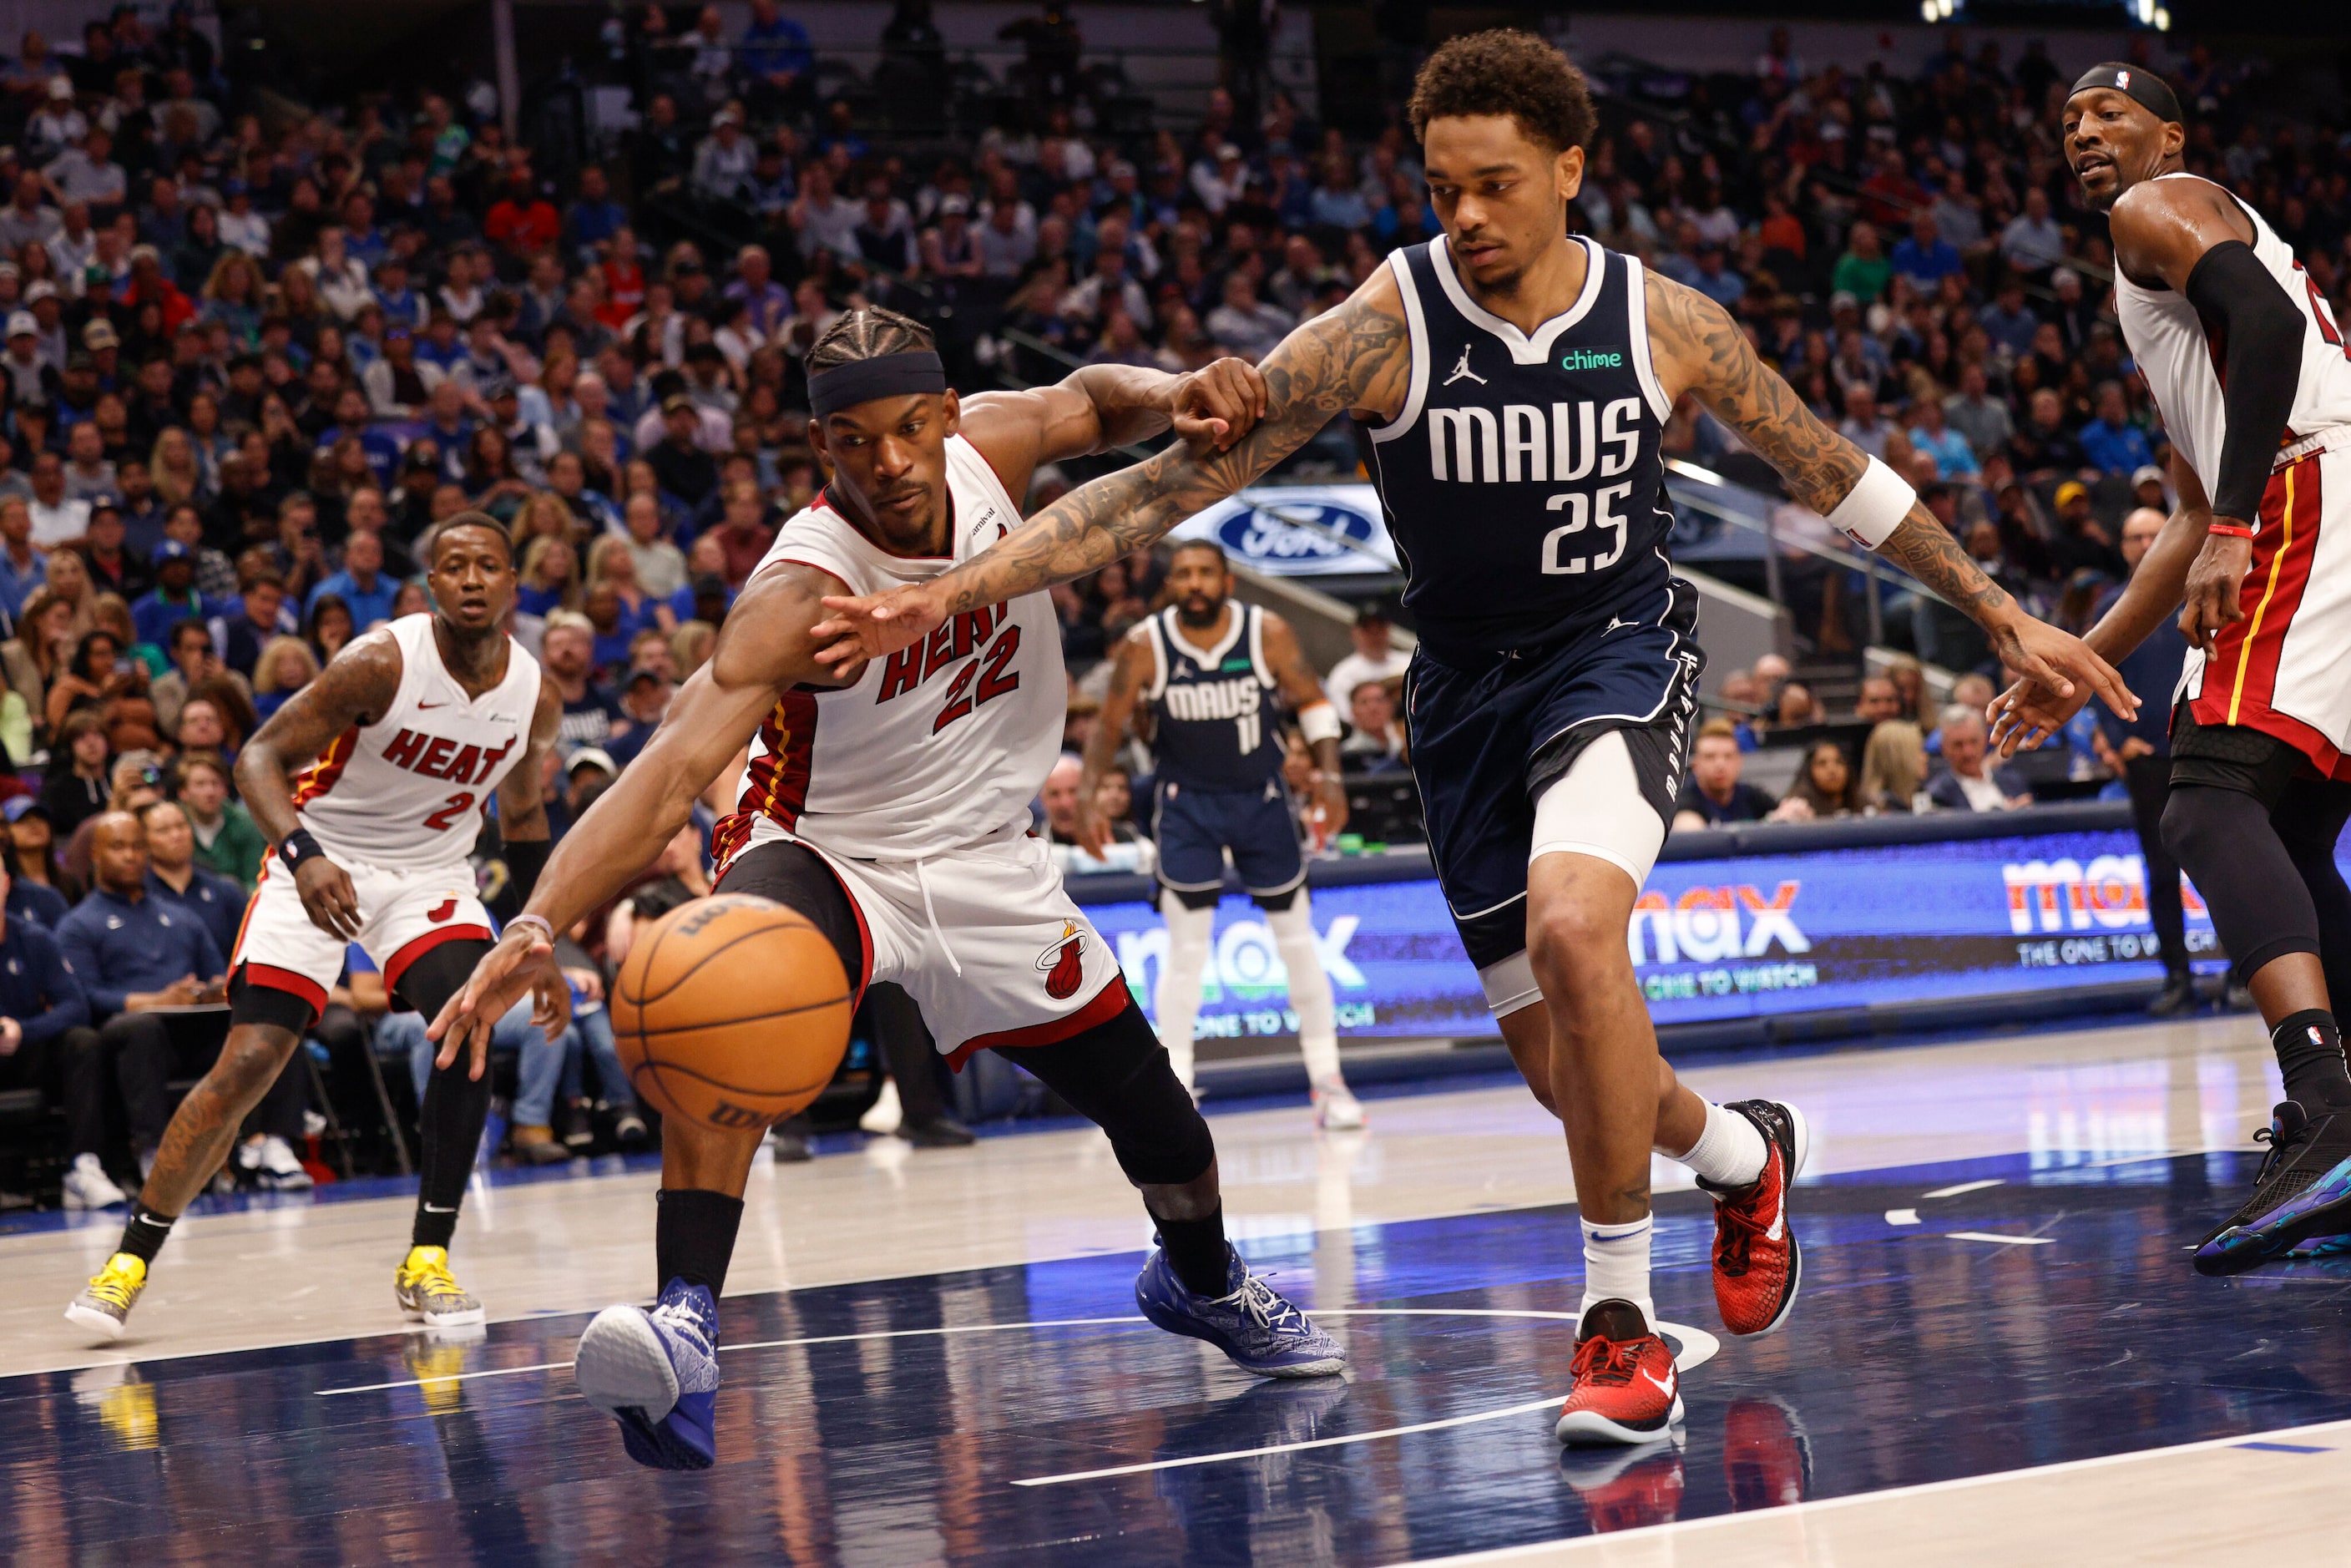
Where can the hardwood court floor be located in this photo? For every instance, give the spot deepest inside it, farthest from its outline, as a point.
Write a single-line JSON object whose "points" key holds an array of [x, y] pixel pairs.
{"points": [[932, 1357]]}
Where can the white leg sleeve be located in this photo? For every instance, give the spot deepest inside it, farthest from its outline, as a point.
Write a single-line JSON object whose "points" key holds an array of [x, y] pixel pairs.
{"points": [[1596, 808], [1309, 987], [1178, 1001]]}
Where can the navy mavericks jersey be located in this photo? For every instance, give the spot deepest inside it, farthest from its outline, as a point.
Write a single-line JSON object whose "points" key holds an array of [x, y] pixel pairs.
{"points": [[1219, 718], [1521, 480]]}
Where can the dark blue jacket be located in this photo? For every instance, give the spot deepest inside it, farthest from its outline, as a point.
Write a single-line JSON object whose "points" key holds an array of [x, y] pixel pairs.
{"points": [[2152, 671], [43, 906], [37, 988], [117, 945], [212, 899]]}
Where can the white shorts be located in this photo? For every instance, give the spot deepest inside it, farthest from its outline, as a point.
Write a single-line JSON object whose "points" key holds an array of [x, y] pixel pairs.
{"points": [[403, 915], [985, 940]]}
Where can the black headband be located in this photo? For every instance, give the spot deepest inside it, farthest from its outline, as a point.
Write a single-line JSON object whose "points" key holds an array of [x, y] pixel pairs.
{"points": [[917, 371], [2149, 90]]}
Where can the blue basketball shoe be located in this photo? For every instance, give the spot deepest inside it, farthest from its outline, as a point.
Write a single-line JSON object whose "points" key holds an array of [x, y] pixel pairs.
{"points": [[2303, 1192], [1262, 1332], [657, 1373]]}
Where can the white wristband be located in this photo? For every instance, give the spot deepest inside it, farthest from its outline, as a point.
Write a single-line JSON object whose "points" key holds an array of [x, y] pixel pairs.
{"points": [[1874, 506], [1318, 721], [539, 920]]}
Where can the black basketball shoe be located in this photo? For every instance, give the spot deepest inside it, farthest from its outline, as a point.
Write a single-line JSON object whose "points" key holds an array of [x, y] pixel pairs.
{"points": [[2303, 1191]]}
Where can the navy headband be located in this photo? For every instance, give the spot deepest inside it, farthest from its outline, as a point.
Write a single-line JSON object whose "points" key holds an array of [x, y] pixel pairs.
{"points": [[2149, 90], [912, 373]]}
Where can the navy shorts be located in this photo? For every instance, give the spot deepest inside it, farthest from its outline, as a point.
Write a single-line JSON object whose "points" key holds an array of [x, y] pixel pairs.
{"points": [[1487, 741], [1194, 827]]}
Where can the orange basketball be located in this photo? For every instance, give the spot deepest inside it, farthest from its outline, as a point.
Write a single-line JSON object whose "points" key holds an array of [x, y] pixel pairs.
{"points": [[731, 1011]]}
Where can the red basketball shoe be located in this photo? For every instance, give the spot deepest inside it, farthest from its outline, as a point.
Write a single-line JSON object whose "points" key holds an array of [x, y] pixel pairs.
{"points": [[1757, 1264], [1626, 1390]]}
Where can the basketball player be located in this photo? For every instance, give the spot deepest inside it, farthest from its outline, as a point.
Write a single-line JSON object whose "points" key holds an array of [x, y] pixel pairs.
{"points": [[2247, 363], [1513, 381], [1209, 668], [891, 807], [370, 783]]}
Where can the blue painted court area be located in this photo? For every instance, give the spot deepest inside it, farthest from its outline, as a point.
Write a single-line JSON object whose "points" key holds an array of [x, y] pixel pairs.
{"points": [[1022, 1414]]}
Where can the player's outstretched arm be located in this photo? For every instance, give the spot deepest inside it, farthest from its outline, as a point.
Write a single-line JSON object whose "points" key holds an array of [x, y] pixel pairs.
{"points": [[1699, 348], [1099, 408], [522, 824], [1130, 666], [763, 650], [1355, 357], [2029, 713], [1301, 691], [355, 688]]}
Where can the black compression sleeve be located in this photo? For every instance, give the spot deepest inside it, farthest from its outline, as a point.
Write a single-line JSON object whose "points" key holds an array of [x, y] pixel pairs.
{"points": [[2260, 330], [526, 857]]}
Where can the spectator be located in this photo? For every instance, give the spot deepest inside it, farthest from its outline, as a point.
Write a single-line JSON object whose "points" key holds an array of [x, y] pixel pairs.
{"points": [[214, 901], [258, 617], [1824, 787], [1373, 658], [1971, 779], [46, 1041], [1893, 767], [1926, 259], [284, 666], [2032, 242], [590, 713], [2110, 442], [659, 565], [1880, 699], [1245, 325], [226, 840], [1376, 741], [361, 584], [1979, 419], [1954, 459], [1713, 794], [1862, 270]]}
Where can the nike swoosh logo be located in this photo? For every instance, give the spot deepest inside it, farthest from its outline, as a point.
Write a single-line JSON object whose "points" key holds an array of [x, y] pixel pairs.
{"points": [[1652, 1379], [422, 707], [1780, 1213], [436, 1209]]}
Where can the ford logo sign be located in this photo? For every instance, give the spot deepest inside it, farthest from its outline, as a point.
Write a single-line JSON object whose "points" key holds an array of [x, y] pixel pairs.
{"points": [[1257, 534]]}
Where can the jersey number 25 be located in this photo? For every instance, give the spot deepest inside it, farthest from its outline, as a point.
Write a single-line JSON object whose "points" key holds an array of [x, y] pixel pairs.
{"points": [[1596, 510]]}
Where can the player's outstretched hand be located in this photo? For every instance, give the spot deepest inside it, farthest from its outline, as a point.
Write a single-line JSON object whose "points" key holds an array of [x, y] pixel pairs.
{"points": [[2063, 663], [1093, 831], [523, 959], [2029, 713], [1217, 404], [551, 1005], [868, 626], [328, 898], [2214, 578]]}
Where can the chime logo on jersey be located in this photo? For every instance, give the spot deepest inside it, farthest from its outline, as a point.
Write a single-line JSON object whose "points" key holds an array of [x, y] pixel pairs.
{"points": [[1063, 962]]}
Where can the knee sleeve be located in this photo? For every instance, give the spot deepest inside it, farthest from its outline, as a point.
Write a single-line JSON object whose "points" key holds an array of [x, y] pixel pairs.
{"points": [[1177, 998], [2224, 838], [1309, 987], [1596, 808], [1117, 1077]]}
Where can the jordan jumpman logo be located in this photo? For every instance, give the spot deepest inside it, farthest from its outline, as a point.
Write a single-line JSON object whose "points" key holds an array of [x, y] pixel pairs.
{"points": [[1463, 370]]}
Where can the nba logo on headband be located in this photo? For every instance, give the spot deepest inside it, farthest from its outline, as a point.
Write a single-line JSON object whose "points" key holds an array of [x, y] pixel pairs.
{"points": [[2121, 80]]}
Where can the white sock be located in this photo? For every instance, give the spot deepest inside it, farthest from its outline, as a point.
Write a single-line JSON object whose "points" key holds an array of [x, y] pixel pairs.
{"points": [[1617, 1265], [1179, 999], [1730, 1153], [1310, 989]]}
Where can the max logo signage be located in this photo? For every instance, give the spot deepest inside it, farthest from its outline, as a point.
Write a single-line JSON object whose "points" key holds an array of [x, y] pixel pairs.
{"points": [[2108, 892], [1709, 923]]}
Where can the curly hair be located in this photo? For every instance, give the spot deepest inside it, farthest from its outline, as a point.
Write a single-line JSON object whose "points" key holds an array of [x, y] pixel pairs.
{"points": [[1506, 71], [866, 334]]}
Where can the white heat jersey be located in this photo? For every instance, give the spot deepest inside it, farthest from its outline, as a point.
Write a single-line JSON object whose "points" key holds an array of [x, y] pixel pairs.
{"points": [[2182, 366], [407, 792], [938, 747]]}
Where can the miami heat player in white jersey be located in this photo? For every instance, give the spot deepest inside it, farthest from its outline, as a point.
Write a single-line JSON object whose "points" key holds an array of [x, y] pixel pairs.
{"points": [[2285, 668], [397, 804], [914, 783]]}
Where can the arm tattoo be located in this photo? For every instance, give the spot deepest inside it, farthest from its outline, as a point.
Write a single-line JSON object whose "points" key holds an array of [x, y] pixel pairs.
{"points": [[1345, 359], [1117, 709], [1720, 365], [1821, 466], [1932, 556]]}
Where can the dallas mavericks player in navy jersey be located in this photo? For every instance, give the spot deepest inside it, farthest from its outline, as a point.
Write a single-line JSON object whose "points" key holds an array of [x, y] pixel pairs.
{"points": [[1513, 380], [1217, 674]]}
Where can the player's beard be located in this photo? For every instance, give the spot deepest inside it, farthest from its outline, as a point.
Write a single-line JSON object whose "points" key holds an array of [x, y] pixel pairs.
{"points": [[1200, 620]]}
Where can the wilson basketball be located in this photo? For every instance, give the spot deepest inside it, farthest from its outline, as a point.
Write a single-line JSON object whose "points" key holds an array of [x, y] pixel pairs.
{"points": [[731, 1011]]}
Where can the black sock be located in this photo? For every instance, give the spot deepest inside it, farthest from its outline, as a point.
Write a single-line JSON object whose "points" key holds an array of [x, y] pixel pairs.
{"points": [[2310, 1055], [1196, 1250], [455, 1107], [693, 1237], [144, 1235]]}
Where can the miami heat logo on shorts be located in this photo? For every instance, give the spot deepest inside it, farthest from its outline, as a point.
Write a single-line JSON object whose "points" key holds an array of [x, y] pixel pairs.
{"points": [[1063, 962]]}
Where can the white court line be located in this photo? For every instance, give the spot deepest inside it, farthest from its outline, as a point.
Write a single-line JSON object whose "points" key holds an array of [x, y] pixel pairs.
{"points": [[1822, 1505], [1965, 1186], [2005, 1240], [1901, 1217], [1698, 1347], [753, 1345]]}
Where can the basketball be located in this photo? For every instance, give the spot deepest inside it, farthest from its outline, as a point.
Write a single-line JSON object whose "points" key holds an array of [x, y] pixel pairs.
{"points": [[731, 1011]]}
